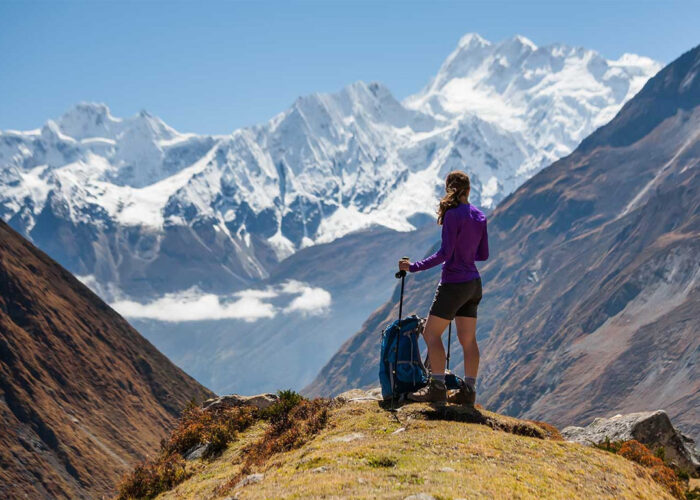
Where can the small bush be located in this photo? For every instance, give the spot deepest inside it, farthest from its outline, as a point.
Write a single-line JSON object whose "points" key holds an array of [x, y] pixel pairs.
{"points": [[382, 462], [288, 399], [218, 428], [636, 452], [149, 479], [611, 446], [693, 494], [196, 426], [551, 432], [293, 421]]}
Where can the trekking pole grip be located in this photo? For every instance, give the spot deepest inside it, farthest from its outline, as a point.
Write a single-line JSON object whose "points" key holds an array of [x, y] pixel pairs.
{"points": [[401, 274]]}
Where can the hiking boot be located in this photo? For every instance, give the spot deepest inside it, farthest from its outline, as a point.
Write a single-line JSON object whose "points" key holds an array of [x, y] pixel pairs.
{"points": [[434, 392], [465, 396]]}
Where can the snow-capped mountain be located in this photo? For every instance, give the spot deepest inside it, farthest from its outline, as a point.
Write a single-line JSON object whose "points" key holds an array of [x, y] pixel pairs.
{"points": [[123, 199], [151, 217], [549, 97]]}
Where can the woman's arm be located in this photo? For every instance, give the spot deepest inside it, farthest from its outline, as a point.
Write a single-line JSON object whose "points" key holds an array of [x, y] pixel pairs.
{"points": [[482, 252], [447, 248]]}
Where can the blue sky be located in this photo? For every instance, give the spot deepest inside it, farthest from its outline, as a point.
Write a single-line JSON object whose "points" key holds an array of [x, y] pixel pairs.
{"points": [[211, 67]]}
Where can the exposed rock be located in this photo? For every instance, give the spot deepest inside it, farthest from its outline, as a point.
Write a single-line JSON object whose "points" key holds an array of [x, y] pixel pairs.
{"points": [[360, 395], [197, 451], [420, 496], [353, 436], [260, 401], [323, 468], [250, 479], [653, 429]]}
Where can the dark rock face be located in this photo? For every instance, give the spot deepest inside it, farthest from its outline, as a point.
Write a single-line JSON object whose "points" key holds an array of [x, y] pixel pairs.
{"points": [[82, 395], [592, 290], [653, 429]]}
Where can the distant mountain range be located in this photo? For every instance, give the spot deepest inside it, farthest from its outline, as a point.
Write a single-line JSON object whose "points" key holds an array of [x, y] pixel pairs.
{"points": [[83, 397], [176, 230], [592, 291], [125, 200]]}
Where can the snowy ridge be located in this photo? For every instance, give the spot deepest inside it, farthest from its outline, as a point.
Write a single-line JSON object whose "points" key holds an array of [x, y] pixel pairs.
{"points": [[120, 198], [551, 96]]}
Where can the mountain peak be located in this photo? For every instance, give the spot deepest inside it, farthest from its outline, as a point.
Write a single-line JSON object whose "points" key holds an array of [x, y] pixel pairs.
{"points": [[473, 40], [87, 120], [520, 40]]}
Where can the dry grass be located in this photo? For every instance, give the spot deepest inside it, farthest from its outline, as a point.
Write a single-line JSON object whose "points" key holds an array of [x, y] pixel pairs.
{"points": [[288, 430], [361, 452]]}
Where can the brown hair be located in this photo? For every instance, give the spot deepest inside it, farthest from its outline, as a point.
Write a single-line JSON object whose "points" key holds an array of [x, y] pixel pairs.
{"points": [[456, 185]]}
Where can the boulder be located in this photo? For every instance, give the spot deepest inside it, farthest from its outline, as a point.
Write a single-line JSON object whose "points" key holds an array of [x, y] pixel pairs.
{"points": [[260, 401], [653, 429], [360, 395], [250, 479], [197, 451]]}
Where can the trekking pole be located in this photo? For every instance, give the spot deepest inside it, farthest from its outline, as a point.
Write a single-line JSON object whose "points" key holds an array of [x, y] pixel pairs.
{"points": [[449, 341], [402, 275]]}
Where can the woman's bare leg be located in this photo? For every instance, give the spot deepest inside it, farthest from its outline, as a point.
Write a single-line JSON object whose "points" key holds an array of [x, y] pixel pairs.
{"points": [[432, 333], [466, 332]]}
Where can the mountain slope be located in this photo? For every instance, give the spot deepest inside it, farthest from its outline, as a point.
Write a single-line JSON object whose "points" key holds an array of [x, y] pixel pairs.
{"points": [[82, 394], [592, 289]]}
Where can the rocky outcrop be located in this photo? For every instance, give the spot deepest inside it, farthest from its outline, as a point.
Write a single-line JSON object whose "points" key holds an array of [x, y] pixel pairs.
{"points": [[652, 428], [359, 395], [260, 401]]}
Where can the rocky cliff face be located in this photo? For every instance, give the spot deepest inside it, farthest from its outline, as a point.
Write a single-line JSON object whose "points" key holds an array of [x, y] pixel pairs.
{"points": [[82, 395], [592, 287]]}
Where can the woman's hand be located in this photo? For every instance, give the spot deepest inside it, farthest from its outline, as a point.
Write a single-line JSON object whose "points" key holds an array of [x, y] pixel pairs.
{"points": [[404, 264]]}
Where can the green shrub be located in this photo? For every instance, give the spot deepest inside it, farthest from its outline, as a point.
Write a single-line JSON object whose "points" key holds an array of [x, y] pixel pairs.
{"points": [[382, 462], [288, 399]]}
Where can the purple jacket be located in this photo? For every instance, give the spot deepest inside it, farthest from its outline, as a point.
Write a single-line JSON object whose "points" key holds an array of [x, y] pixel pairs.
{"points": [[464, 241]]}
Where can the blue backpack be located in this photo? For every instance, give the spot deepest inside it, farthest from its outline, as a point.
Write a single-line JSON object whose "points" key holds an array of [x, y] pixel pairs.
{"points": [[401, 370], [409, 374]]}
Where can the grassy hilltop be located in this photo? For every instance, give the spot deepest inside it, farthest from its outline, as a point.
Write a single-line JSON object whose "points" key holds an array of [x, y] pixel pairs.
{"points": [[331, 449]]}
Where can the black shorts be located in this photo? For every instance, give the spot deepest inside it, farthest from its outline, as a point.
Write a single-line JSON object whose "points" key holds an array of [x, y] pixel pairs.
{"points": [[456, 299]]}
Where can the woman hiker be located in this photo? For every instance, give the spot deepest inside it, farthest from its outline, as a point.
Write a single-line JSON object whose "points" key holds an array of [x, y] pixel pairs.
{"points": [[464, 241]]}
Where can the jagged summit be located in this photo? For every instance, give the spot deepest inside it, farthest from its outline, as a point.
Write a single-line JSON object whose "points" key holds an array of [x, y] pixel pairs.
{"points": [[473, 40]]}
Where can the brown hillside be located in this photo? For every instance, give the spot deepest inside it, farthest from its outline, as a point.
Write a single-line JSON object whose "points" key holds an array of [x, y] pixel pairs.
{"points": [[82, 395]]}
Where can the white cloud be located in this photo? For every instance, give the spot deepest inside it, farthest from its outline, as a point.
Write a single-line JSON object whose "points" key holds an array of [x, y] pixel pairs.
{"points": [[248, 305], [192, 305], [312, 301]]}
